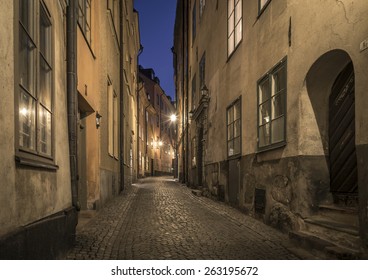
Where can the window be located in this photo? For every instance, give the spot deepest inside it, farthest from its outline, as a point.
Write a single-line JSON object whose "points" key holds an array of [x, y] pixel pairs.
{"points": [[202, 71], [234, 129], [194, 17], [35, 79], [194, 89], [262, 4], [113, 125], [113, 7], [234, 24], [202, 3], [272, 107], [84, 18]]}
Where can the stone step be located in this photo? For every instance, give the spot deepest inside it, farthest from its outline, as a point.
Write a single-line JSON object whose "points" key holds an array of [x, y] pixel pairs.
{"points": [[339, 233], [346, 215], [320, 248]]}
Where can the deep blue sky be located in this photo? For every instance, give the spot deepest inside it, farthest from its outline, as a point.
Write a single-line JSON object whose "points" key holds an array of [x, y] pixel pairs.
{"points": [[156, 20]]}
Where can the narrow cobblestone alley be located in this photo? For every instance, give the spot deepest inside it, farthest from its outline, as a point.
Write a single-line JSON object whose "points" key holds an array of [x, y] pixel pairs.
{"points": [[159, 218]]}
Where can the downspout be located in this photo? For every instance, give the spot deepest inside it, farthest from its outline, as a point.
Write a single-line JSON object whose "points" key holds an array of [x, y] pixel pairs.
{"points": [[183, 99], [138, 144], [186, 96], [122, 140], [72, 100]]}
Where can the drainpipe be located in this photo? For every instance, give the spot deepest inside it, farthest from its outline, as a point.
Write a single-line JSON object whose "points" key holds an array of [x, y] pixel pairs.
{"points": [[186, 96], [122, 140], [138, 144], [72, 100]]}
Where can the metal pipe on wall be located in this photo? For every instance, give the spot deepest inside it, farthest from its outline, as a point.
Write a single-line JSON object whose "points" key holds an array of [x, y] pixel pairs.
{"points": [[72, 100]]}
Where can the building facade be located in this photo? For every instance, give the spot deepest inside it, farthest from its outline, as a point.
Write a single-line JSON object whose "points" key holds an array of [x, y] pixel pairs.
{"points": [[280, 99], [70, 74], [35, 170], [161, 139]]}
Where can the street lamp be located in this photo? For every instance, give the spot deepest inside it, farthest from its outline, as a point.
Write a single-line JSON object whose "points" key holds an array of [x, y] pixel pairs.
{"points": [[173, 118]]}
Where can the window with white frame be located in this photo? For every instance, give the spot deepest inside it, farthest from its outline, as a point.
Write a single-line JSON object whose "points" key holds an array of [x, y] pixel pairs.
{"points": [[234, 24], [113, 125], [272, 107], [84, 18], [35, 79], [234, 129]]}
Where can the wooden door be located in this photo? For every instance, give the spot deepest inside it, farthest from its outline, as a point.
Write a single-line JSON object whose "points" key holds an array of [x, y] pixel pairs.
{"points": [[343, 160]]}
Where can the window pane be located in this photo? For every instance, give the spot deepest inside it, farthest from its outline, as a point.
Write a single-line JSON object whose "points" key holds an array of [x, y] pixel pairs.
{"points": [[45, 84], [238, 11], [264, 91], [26, 61], [45, 35], [238, 33], [278, 130], [237, 146], [264, 135], [237, 110], [278, 106], [279, 80], [237, 128], [27, 121], [230, 132], [230, 115], [264, 113], [26, 15], [230, 148], [230, 25], [44, 143], [230, 7], [231, 44]]}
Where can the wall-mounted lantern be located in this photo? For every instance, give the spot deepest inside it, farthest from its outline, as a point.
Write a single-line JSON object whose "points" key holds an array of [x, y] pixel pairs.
{"points": [[204, 90], [98, 120]]}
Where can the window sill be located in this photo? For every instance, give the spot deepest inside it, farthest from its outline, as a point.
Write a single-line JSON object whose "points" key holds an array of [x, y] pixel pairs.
{"points": [[22, 161], [271, 147]]}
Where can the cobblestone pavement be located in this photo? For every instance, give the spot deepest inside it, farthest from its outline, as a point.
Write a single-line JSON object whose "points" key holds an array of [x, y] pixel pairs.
{"points": [[159, 218]]}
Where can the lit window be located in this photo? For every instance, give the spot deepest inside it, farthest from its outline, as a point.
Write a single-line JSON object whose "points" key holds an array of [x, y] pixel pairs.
{"points": [[234, 24], [272, 107], [234, 129], [35, 97]]}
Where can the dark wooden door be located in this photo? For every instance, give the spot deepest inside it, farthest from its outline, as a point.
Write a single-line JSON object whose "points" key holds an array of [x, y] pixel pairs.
{"points": [[200, 157], [343, 160]]}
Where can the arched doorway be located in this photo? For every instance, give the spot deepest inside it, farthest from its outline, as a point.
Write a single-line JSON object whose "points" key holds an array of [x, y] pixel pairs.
{"points": [[330, 85], [342, 152]]}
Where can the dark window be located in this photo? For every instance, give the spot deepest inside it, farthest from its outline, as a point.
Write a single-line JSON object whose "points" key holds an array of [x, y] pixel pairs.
{"points": [[194, 89], [234, 129], [202, 71], [272, 107]]}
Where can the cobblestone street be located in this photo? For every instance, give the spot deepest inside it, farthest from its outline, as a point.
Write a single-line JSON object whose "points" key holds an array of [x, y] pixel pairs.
{"points": [[159, 218]]}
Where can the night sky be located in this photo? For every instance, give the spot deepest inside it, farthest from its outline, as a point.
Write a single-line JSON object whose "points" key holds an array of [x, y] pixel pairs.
{"points": [[156, 23]]}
